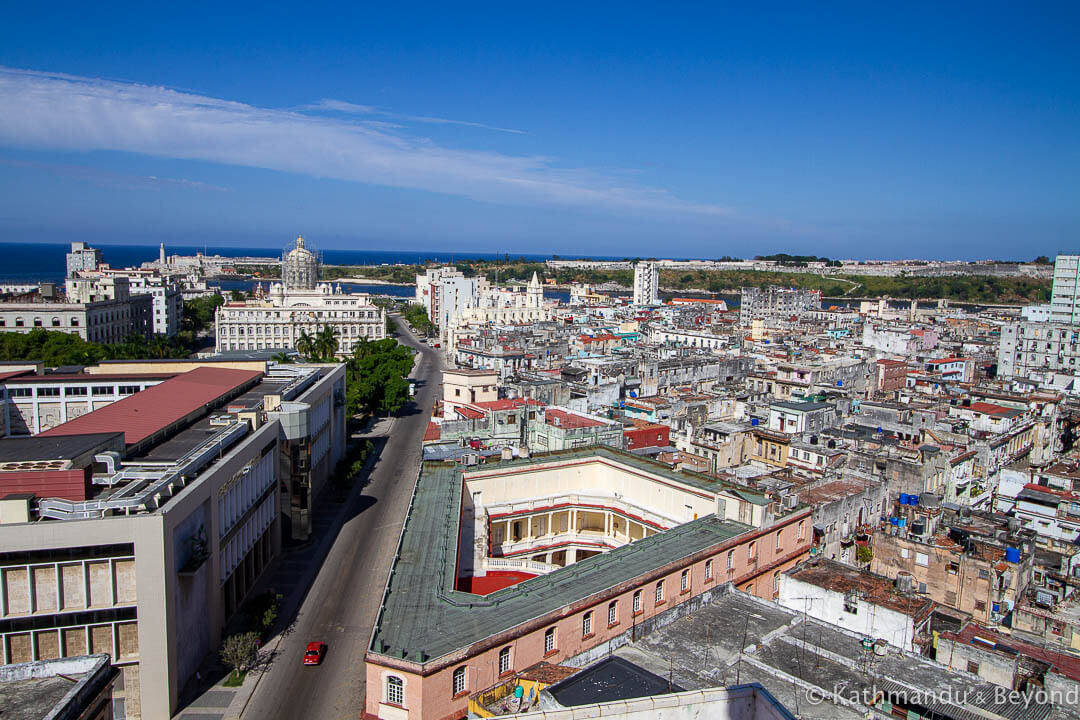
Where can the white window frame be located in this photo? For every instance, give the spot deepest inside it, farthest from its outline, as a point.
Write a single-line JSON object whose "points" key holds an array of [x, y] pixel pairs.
{"points": [[586, 624], [659, 592], [504, 660], [395, 692], [549, 640], [708, 569], [684, 580], [612, 612], [459, 685]]}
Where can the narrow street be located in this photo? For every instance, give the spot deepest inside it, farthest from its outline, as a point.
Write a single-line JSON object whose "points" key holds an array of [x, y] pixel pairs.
{"points": [[342, 603]]}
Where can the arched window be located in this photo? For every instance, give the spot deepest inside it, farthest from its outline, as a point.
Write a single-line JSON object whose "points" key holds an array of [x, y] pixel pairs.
{"points": [[458, 685], [395, 690]]}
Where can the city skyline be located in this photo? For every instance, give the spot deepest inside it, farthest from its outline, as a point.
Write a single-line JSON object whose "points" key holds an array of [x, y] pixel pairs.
{"points": [[843, 134]]}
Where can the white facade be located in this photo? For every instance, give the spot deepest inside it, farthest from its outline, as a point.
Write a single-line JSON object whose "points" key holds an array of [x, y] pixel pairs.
{"points": [[847, 611], [647, 283], [1065, 298], [166, 295], [1036, 313], [276, 319]]}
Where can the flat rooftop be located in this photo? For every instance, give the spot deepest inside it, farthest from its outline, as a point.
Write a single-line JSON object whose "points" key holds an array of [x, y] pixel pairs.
{"points": [[424, 618], [46, 449], [737, 638], [153, 410], [35, 698]]}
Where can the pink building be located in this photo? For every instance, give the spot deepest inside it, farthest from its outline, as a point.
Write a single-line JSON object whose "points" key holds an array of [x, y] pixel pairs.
{"points": [[667, 538]]}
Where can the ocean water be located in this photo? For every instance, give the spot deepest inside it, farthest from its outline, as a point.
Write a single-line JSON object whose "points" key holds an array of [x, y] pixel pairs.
{"points": [[31, 262]]}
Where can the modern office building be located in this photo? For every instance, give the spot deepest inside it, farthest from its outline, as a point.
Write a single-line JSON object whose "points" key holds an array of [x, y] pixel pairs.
{"points": [[646, 283], [277, 318], [138, 530]]}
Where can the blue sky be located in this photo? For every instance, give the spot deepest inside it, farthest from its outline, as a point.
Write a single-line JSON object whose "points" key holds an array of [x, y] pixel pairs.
{"points": [[848, 130]]}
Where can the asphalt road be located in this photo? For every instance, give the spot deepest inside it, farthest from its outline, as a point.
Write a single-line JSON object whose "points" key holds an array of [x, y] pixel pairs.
{"points": [[341, 605]]}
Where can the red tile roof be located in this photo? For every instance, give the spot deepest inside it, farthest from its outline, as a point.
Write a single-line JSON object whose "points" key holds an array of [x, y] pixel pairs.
{"points": [[990, 409], [569, 420], [433, 432], [469, 413], [152, 410], [505, 403]]}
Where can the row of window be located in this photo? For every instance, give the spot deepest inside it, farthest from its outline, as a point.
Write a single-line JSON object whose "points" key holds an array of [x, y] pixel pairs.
{"points": [[395, 686], [72, 391], [38, 322]]}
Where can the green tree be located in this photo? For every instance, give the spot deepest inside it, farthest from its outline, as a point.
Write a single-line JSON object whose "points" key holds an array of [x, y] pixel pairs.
{"points": [[326, 343], [238, 651], [305, 344]]}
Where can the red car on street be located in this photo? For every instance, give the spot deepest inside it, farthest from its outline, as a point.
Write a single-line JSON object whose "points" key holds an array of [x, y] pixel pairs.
{"points": [[314, 653]]}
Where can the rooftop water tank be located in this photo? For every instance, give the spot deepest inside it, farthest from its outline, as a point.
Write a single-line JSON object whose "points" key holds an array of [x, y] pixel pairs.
{"points": [[1012, 554]]}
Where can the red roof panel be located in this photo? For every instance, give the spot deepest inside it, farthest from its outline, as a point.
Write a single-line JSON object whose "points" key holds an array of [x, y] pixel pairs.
{"points": [[147, 412]]}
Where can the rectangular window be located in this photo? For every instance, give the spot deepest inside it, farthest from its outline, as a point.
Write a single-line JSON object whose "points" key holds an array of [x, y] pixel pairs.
{"points": [[802, 529], [129, 389], [459, 681], [980, 606], [731, 560], [708, 569], [659, 592], [922, 559], [586, 625], [753, 551], [779, 539], [102, 390], [504, 660], [549, 641], [637, 601], [612, 613], [76, 390], [684, 581], [48, 392], [20, 392], [973, 667], [395, 691]]}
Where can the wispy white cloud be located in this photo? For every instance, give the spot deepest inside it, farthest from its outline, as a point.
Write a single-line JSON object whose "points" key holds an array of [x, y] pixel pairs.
{"points": [[108, 178], [65, 112], [353, 109]]}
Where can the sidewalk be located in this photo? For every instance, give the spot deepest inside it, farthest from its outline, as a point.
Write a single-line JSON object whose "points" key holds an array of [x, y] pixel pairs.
{"points": [[291, 575]]}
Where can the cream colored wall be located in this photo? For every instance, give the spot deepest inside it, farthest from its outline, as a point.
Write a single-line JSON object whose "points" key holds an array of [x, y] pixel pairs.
{"points": [[596, 478]]}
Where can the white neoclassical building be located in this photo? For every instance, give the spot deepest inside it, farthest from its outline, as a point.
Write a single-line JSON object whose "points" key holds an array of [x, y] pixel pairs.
{"points": [[276, 318]]}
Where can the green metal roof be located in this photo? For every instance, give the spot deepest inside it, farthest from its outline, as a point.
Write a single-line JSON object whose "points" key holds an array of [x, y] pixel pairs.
{"points": [[424, 618]]}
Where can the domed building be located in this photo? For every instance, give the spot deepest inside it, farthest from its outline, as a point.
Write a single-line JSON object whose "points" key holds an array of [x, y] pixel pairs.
{"points": [[300, 267], [276, 319]]}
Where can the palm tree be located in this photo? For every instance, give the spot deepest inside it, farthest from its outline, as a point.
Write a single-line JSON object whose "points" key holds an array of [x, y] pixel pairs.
{"points": [[305, 344], [327, 343], [282, 358]]}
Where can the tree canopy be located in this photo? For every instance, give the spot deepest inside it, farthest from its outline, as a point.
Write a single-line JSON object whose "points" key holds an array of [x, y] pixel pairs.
{"points": [[376, 375]]}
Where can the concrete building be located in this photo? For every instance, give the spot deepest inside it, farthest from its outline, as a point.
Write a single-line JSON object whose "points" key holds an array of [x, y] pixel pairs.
{"points": [[1065, 296], [82, 257], [137, 530], [35, 402], [74, 688], [277, 319], [100, 311], [775, 302], [658, 540], [646, 283], [861, 602], [1038, 350], [445, 293], [796, 418], [166, 292], [466, 386]]}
